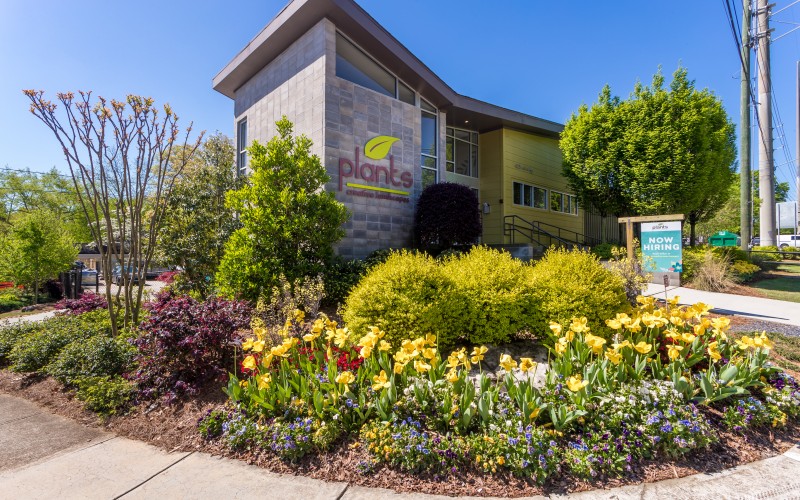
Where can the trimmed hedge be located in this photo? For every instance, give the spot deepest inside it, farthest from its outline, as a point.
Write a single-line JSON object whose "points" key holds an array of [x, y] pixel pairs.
{"points": [[567, 284]]}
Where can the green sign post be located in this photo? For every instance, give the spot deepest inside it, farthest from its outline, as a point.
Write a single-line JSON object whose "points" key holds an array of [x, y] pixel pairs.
{"points": [[662, 246]]}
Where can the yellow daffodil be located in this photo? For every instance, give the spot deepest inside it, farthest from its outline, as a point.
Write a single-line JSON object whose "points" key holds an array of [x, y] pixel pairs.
{"points": [[526, 364], [594, 342], [674, 351], [345, 378], [249, 363], [556, 328], [507, 362], [643, 347], [478, 353], [575, 384], [380, 381], [613, 356], [263, 381], [421, 366]]}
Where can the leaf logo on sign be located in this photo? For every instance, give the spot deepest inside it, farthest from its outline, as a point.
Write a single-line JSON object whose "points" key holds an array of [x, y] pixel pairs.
{"points": [[378, 147]]}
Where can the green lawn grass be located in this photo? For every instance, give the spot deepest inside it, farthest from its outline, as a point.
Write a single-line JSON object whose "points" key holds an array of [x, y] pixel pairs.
{"points": [[781, 287]]}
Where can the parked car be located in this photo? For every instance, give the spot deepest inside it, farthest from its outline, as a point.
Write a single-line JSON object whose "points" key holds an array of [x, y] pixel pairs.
{"points": [[755, 242], [88, 277], [116, 274]]}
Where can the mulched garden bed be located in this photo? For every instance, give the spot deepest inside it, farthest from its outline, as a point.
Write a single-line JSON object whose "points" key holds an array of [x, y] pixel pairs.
{"points": [[174, 428]]}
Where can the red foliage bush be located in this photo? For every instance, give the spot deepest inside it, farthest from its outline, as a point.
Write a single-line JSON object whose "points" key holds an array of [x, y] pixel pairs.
{"points": [[447, 215], [184, 343], [86, 303]]}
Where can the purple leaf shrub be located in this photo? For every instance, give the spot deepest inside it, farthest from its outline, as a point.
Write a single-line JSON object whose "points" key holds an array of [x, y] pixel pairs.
{"points": [[86, 303]]}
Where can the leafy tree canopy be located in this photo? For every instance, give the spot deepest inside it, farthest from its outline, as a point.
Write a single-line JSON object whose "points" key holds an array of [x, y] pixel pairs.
{"points": [[661, 151], [198, 223], [36, 249], [289, 223]]}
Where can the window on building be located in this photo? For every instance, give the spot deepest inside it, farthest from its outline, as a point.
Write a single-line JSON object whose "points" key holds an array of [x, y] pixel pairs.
{"points": [[241, 147], [530, 196], [429, 134], [564, 203], [354, 65], [462, 152]]}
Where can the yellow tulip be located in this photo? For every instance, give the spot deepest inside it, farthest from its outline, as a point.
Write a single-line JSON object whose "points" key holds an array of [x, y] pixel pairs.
{"points": [[452, 361], [398, 368], [614, 324], [384, 346], [643, 347], [556, 328], [264, 381], [366, 351], [345, 378], [594, 342], [620, 346], [713, 352], [261, 332], [429, 353], [267, 360], [249, 363], [452, 376], [340, 339], [526, 364], [613, 356], [535, 413], [575, 384], [478, 353], [380, 381], [579, 325], [507, 362], [430, 340], [745, 342], [247, 344], [674, 351], [258, 346], [421, 366], [561, 346], [635, 325]]}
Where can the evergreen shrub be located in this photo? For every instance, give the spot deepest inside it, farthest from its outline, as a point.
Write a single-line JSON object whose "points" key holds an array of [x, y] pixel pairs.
{"points": [[566, 284], [404, 297], [490, 297], [100, 355]]}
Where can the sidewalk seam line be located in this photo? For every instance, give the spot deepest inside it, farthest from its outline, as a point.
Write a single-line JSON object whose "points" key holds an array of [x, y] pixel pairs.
{"points": [[154, 475], [346, 487]]}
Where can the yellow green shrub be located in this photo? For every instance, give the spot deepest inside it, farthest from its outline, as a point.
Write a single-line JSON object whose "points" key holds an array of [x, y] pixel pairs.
{"points": [[566, 284], [404, 297], [491, 299]]}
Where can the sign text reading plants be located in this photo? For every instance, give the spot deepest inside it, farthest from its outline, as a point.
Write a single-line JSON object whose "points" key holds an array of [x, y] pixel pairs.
{"points": [[376, 149]]}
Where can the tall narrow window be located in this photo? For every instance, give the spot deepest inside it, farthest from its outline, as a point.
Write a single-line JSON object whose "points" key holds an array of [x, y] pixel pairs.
{"points": [[241, 147], [430, 138], [462, 152]]}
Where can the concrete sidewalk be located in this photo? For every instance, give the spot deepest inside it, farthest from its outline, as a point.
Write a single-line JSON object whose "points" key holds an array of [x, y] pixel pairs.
{"points": [[778, 311], [44, 456]]}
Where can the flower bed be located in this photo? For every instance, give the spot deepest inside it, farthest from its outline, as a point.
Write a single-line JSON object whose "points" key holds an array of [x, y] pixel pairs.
{"points": [[668, 383]]}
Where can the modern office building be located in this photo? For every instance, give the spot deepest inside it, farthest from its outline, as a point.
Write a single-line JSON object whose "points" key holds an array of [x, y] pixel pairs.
{"points": [[385, 127]]}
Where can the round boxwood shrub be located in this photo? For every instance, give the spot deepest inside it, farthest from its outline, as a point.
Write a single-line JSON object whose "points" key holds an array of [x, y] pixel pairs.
{"points": [[404, 297], [566, 284], [491, 298], [447, 215]]}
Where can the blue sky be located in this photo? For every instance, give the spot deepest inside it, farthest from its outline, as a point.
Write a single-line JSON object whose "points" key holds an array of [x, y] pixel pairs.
{"points": [[541, 58]]}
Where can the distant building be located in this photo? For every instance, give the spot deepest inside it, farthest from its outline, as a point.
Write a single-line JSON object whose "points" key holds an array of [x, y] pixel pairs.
{"points": [[355, 90]]}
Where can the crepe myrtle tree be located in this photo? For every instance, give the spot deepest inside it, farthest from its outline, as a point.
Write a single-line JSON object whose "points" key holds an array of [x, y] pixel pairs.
{"points": [[447, 215], [120, 158]]}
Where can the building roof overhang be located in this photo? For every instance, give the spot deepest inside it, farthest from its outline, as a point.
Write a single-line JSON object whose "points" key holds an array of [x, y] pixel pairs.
{"points": [[299, 16]]}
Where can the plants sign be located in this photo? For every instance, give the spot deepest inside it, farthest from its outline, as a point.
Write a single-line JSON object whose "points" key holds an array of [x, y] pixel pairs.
{"points": [[392, 184], [662, 246]]}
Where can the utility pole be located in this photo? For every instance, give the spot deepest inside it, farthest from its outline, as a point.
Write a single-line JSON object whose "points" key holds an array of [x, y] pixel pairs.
{"points": [[766, 173], [745, 177], [797, 152]]}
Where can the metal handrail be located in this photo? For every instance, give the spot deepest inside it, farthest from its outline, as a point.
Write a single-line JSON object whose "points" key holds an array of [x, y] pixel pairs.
{"points": [[510, 229]]}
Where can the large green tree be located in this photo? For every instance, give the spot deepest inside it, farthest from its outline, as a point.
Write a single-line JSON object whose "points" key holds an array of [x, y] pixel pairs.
{"points": [[23, 191], [198, 223], [661, 151], [289, 222], [36, 249]]}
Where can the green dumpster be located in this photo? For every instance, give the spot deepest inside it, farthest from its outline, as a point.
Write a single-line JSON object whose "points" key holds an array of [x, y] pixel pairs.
{"points": [[724, 239]]}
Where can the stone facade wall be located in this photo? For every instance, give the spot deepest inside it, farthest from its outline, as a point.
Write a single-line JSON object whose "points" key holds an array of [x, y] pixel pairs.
{"points": [[292, 85]]}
